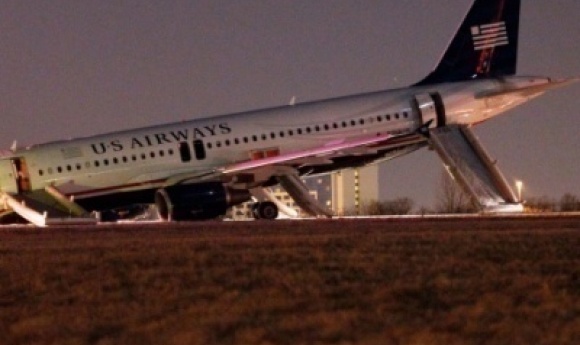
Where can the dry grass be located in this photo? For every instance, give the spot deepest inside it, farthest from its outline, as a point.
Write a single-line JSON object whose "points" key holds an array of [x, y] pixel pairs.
{"points": [[316, 282]]}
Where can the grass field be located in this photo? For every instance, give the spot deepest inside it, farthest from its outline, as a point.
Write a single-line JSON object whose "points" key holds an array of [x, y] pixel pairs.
{"points": [[488, 281]]}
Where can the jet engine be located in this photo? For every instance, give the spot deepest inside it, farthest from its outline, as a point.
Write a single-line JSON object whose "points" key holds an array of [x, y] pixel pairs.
{"points": [[197, 201]]}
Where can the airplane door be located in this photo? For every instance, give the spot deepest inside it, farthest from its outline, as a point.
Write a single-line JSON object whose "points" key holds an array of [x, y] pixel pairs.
{"points": [[8, 176], [22, 177], [430, 107], [199, 149]]}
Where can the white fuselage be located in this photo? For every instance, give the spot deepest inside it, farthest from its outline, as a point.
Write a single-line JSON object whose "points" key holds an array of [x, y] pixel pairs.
{"points": [[146, 157]]}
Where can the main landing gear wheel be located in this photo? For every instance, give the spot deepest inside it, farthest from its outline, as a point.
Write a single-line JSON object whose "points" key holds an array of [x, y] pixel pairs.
{"points": [[265, 210]]}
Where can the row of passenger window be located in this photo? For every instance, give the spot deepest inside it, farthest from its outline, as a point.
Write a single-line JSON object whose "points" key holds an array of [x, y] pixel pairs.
{"points": [[106, 162], [184, 150], [308, 130]]}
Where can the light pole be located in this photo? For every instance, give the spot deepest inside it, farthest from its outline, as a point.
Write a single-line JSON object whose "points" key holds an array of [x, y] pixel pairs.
{"points": [[519, 187]]}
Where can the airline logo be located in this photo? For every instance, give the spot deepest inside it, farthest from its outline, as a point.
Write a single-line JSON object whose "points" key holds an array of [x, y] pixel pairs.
{"points": [[489, 35]]}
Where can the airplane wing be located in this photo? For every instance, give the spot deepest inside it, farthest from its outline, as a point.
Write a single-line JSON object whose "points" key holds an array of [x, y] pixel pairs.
{"points": [[300, 157], [255, 174], [263, 168]]}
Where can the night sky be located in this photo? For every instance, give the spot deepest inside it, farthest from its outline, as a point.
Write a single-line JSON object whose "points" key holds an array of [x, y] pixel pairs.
{"points": [[72, 68]]}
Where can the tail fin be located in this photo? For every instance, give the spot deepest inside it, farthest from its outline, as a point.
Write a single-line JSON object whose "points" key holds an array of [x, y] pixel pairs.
{"points": [[485, 45]]}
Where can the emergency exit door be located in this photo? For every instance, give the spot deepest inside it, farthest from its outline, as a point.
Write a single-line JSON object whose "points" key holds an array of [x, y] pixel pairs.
{"points": [[14, 176]]}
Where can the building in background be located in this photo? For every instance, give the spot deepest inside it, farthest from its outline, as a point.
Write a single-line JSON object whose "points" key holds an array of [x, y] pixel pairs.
{"points": [[351, 188]]}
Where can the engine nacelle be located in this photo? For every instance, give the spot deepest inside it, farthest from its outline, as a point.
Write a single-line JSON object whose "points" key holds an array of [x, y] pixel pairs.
{"points": [[197, 201]]}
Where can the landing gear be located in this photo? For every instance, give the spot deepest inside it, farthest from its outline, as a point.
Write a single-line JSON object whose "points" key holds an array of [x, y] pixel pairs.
{"points": [[265, 210]]}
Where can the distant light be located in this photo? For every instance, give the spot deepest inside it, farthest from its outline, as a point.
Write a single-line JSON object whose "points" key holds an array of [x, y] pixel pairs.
{"points": [[519, 187]]}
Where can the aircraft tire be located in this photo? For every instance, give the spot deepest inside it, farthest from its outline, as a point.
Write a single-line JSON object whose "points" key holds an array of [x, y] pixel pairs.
{"points": [[265, 210]]}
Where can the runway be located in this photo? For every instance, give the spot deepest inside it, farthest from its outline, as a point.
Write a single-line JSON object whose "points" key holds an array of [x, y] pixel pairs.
{"points": [[353, 281], [532, 220]]}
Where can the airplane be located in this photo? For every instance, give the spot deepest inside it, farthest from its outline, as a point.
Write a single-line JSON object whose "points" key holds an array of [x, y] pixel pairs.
{"points": [[198, 169]]}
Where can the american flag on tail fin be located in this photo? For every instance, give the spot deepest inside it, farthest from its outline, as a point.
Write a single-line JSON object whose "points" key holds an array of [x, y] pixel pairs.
{"points": [[489, 35]]}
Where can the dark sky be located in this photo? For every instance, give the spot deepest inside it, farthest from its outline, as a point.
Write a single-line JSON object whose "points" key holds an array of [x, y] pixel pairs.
{"points": [[72, 68]]}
